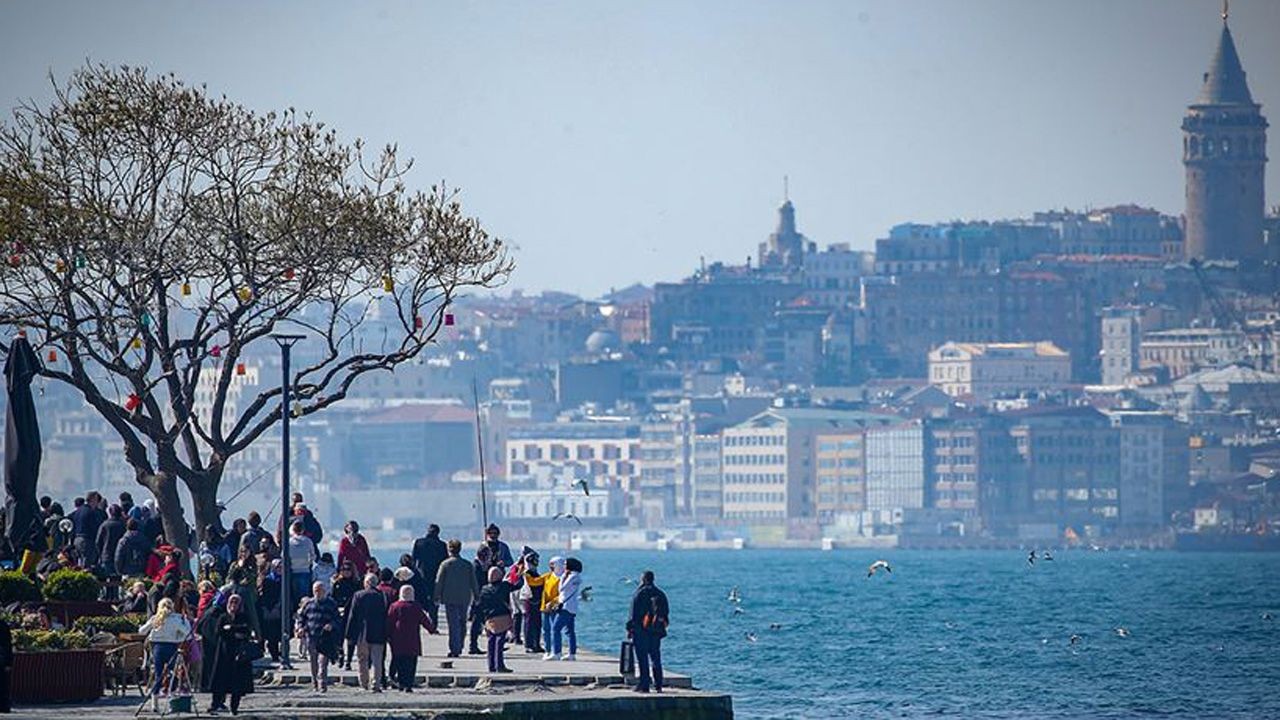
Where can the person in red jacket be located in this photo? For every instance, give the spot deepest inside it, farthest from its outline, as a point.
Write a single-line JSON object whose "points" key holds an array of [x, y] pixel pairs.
{"points": [[404, 617], [353, 548]]}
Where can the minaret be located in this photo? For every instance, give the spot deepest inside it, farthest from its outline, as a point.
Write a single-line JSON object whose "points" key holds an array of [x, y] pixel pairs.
{"points": [[1224, 151]]}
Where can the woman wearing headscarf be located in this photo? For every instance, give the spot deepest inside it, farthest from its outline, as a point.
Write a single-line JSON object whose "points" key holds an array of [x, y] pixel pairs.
{"points": [[353, 548], [165, 630], [345, 586], [269, 606], [404, 617], [233, 662], [564, 620], [207, 635], [495, 607]]}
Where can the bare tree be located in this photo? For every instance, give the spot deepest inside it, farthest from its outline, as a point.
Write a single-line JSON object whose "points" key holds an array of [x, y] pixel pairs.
{"points": [[155, 233]]}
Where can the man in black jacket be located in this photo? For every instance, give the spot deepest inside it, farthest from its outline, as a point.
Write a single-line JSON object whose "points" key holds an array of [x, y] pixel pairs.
{"points": [[650, 616], [428, 552], [109, 534], [132, 551], [367, 622]]}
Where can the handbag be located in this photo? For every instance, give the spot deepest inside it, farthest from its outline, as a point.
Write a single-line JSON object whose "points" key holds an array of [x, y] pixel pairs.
{"points": [[627, 658], [248, 652], [498, 625]]}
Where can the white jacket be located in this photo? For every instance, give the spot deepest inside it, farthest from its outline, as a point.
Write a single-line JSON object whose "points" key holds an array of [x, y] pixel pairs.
{"points": [[570, 591], [174, 629]]}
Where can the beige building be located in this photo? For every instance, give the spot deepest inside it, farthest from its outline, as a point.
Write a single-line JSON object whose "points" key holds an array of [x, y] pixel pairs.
{"points": [[990, 370], [1186, 350]]}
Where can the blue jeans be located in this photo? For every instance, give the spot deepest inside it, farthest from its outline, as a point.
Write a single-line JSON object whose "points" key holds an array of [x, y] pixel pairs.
{"points": [[162, 657], [648, 651], [563, 622], [548, 624], [299, 587]]}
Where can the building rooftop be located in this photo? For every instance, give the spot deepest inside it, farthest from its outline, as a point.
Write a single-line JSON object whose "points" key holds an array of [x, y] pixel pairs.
{"points": [[1008, 349], [1224, 83], [576, 431]]}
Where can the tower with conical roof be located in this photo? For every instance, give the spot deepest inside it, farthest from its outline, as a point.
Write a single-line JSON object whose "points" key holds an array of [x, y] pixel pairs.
{"points": [[1224, 150], [784, 250]]}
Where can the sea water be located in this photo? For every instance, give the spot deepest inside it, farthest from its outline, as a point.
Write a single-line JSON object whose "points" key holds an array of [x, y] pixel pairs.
{"points": [[980, 634]]}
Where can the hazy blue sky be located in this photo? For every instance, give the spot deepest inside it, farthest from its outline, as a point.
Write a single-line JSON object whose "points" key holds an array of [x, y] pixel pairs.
{"points": [[617, 142]]}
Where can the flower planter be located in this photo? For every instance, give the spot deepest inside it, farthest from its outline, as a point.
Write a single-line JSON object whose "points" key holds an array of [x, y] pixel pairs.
{"points": [[57, 676], [66, 611]]}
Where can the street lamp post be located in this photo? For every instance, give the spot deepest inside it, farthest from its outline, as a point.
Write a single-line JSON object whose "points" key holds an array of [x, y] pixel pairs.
{"points": [[286, 343]]}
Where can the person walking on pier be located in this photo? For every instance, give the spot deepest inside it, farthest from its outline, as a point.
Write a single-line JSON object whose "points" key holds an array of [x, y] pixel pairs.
{"points": [[495, 607], [404, 619], [165, 630], [565, 619], [650, 615], [428, 553], [367, 627], [455, 589], [232, 672], [320, 619]]}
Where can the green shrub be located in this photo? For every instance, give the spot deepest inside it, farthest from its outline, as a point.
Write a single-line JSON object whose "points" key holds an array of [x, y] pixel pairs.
{"points": [[114, 624], [45, 640], [16, 587], [73, 585]]}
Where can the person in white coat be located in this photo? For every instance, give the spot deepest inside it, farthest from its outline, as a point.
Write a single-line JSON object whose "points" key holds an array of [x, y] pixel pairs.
{"points": [[166, 630], [564, 622]]}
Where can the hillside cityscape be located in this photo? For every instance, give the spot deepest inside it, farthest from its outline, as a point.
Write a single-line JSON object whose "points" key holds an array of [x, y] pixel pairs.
{"points": [[1099, 376]]}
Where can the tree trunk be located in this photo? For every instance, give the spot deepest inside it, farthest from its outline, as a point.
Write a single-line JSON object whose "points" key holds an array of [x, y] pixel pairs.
{"points": [[204, 498], [165, 489]]}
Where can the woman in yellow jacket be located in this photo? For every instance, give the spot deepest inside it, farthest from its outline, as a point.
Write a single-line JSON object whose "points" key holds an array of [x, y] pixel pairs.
{"points": [[550, 600]]}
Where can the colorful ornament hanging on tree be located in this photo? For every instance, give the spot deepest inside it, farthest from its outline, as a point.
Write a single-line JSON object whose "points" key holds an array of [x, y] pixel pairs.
{"points": [[388, 283], [215, 351], [59, 265], [136, 343], [289, 273], [417, 322], [186, 288], [448, 319], [53, 356], [80, 263], [245, 294], [240, 369], [132, 402], [15, 260], [145, 318]]}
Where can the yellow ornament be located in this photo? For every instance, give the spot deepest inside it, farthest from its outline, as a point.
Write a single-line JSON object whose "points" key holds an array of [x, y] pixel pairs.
{"points": [[186, 288], [245, 294], [388, 283], [137, 342], [60, 265]]}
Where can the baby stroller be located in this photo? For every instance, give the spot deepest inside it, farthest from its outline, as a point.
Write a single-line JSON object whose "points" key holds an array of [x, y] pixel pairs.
{"points": [[175, 686]]}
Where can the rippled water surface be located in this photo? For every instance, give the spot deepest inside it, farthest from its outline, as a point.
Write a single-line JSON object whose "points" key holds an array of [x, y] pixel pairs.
{"points": [[962, 634]]}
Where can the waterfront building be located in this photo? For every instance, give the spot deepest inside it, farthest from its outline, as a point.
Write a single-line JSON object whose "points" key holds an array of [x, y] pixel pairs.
{"points": [[984, 371], [1155, 470], [895, 466], [840, 468], [605, 453], [971, 462], [1069, 474], [1225, 155]]}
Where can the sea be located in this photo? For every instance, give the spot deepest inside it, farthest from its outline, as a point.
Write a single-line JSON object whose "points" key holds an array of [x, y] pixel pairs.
{"points": [[966, 634]]}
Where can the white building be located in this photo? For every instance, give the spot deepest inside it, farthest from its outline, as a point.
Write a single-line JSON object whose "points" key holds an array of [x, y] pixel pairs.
{"points": [[605, 453], [1155, 466], [1185, 350], [985, 371], [895, 467], [832, 276]]}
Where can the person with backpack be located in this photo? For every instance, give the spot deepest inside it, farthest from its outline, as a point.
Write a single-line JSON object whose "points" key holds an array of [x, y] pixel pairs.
{"points": [[367, 628], [650, 616]]}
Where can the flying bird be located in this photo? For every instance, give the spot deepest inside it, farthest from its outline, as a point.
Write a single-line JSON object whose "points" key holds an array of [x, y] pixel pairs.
{"points": [[1122, 632], [750, 636], [567, 516], [738, 611], [628, 581], [878, 565], [582, 485], [1048, 555], [1267, 616], [585, 594], [734, 595], [1031, 558], [1074, 639]]}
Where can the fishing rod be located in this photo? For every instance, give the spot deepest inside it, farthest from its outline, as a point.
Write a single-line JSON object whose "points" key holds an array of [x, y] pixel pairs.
{"points": [[484, 500]]}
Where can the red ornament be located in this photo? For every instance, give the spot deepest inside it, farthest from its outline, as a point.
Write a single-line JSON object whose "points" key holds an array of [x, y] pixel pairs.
{"points": [[131, 403], [53, 356], [448, 319], [240, 369], [216, 351], [417, 322], [289, 273], [15, 260]]}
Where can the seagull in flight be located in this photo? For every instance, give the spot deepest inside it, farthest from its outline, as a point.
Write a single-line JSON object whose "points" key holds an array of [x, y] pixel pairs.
{"points": [[1048, 555], [1122, 632], [567, 516], [582, 485], [734, 595], [628, 581], [750, 636], [878, 565], [1074, 639], [738, 611], [1031, 558], [585, 594], [1268, 616]]}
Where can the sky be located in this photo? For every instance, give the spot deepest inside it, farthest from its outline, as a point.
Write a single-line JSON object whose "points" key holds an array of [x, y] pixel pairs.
{"points": [[621, 142]]}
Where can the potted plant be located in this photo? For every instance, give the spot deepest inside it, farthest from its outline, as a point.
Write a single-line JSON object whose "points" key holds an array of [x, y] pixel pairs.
{"points": [[124, 627], [71, 593], [55, 666], [17, 588]]}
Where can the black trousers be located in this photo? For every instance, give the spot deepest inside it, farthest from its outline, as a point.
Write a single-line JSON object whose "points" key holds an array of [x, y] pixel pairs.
{"points": [[220, 700], [4, 689], [648, 653], [477, 625], [532, 627], [405, 668]]}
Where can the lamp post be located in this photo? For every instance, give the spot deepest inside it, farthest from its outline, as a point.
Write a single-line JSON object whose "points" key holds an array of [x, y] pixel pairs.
{"points": [[286, 343]]}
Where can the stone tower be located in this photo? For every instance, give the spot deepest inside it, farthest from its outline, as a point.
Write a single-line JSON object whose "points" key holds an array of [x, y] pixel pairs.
{"points": [[1224, 149], [784, 250]]}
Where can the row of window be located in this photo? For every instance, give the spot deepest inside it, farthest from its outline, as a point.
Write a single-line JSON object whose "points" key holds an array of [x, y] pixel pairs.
{"points": [[755, 478], [755, 497], [1076, 494], [754, 440], [852, 443], [755, 459], [844, 462], [582, 452]]}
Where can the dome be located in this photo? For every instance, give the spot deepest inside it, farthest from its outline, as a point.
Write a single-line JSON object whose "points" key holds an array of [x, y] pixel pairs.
{"points": [[602, 341]]}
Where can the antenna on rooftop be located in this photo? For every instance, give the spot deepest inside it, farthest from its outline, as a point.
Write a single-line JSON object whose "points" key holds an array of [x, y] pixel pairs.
{"points": [[786, 191], [1226, 9]]}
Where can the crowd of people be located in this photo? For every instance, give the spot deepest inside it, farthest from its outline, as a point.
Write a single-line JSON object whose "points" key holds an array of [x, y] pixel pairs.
{"points": [[228, 613]]}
